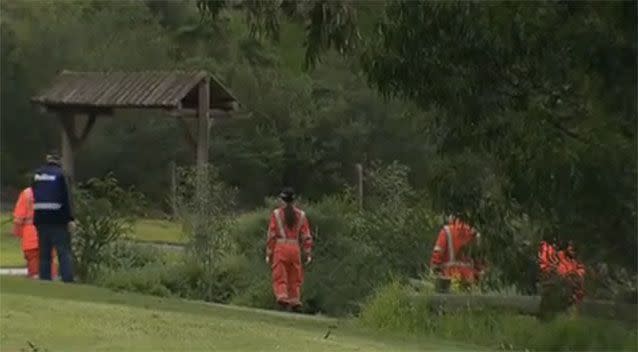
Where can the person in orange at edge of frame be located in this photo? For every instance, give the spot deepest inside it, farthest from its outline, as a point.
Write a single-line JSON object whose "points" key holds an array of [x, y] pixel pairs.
{"points": [[288, 233], [448, 257], [553, 260], [23, 227]]}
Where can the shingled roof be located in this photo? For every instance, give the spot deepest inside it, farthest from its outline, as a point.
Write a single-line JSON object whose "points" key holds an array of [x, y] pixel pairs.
{"points": [[149, 89]]}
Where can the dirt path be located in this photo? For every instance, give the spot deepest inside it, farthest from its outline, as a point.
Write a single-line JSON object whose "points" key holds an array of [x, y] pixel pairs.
{"points": [[13, 271]]}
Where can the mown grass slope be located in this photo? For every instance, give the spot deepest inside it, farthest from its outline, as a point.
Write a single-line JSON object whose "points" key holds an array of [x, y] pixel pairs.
{"points": [[55, 316]]}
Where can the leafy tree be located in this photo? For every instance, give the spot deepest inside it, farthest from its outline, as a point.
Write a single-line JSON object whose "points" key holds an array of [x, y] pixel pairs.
{"points": [[330, 24], [520, 87], [530, 109]]}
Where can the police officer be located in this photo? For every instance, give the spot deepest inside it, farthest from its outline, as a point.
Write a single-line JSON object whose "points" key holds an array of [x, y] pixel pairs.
{"points": [[53, 217]]}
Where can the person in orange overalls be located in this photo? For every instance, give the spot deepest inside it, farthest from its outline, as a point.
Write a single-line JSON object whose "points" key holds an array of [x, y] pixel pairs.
{"points": [[448, 259], [23, 227], [288, 232], [563, 263]]}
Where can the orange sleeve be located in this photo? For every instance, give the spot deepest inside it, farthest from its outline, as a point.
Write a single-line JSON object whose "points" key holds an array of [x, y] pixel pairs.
{"points": [[439, 250], [21, 209], [20, 214], [306, 236], [272, 235]]}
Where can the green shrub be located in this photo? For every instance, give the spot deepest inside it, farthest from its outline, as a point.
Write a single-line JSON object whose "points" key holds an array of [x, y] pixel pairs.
{"points": [[188, 279], [611, 282], [204, 204], [258, 294], [354, 251], [126, 255], [249, 233], [394, 308], [391, 310], [104, 213], [335, 281], [582, 335], [226, 279], [146, 280]]}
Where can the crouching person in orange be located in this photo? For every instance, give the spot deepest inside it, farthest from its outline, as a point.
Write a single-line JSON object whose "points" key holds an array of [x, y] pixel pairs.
{"points": [[287, 233], [561, 265], [449, 258], [23, 227]]}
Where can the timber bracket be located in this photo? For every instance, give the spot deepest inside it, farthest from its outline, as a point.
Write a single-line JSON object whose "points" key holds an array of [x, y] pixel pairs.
{"points": [[69, 126]]}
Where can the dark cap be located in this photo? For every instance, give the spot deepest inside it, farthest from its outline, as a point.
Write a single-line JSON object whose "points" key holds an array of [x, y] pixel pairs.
{"points": [[287, 194], [53, 157]]}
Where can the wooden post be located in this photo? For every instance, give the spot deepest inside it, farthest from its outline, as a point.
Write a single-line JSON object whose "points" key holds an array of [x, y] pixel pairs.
{"points": [[203, 124], [360, 185], [68, 159], [202, 133], [71, 141], [173, 171]]}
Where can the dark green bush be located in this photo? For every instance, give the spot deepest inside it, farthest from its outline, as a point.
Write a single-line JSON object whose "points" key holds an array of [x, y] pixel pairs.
{"points": [[187, 279], [259, 293], [128, 255], [204, 205], [355, 251], [104, 213], [335, 280], [249, 233], [226, 279], [146, 280], [343, 266]]}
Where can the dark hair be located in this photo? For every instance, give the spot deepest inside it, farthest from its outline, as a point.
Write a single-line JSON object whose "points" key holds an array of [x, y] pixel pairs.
{"points": [[290, 217], [288, 196]]}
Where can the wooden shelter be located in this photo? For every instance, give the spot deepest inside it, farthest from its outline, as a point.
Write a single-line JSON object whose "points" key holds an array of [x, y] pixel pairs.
{"points": [[73, 96]]}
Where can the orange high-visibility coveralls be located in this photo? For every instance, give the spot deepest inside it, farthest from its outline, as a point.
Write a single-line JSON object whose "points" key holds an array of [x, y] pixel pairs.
{"points": [[562, 263], [23, 227], [447, 255], [283, 251]]}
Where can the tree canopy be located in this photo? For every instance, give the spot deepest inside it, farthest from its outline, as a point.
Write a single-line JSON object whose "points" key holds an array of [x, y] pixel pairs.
{"points": [[532, 108]]}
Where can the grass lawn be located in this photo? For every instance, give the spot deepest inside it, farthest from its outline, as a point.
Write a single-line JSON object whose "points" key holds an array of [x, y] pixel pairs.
{"points": [[145, 230], [54, 316], [158, 230], [10, 250]]}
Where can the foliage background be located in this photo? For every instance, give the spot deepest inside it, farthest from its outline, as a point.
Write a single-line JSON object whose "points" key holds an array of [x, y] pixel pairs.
{"points": [[522, 118]]}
